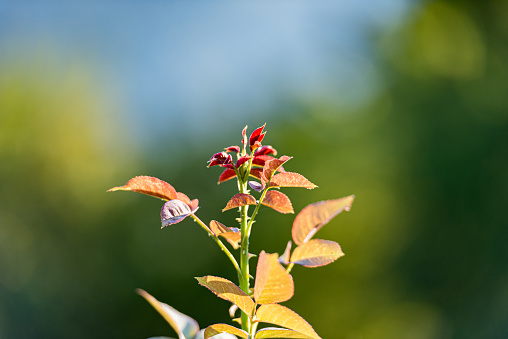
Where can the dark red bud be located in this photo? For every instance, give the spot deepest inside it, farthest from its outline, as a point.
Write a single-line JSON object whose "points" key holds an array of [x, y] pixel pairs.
{"points": [[265, 150], [221, 158], [242, 160], [244, 135], [235, 149], [256, 137]]}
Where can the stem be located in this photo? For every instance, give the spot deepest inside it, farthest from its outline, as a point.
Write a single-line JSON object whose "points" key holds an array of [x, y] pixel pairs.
{"points": [[220, 243], [249, 226], [290, 267], [244, 257]]}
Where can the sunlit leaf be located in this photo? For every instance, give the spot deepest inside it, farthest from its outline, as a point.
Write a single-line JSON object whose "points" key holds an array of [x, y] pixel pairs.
{"points": [[226, 290], [233, 236], [240, 199], [242, 160], [314, 216], [213, 330], [284, 258], [291, 179], [149, 186], [173, 212], [272, 165], [316, 252], [282, 316], [184, 326], [226, 175], [278, 201], [256, 172], [273, 283], [256, 186], [275, 332]]}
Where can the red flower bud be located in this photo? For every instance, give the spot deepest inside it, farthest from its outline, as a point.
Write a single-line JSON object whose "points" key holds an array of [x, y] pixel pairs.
{"points": [[265, 150], [222, 158], [235, 149]]}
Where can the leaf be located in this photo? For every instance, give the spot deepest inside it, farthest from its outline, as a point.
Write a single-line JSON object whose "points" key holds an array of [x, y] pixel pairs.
{"points": [[213, 330], [256, 186], [173, 212], [240, 199], [275, 332], [314, 216], [149, 186], [182, 197], [226, 290], [273, 283], [184, 326], [316, 252], [226, 175], [283, 316], [278, 201], [272, 165], [233, 236], [291, 179]]}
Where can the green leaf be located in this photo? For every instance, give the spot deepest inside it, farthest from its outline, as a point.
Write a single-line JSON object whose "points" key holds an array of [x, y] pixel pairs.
{"points": [[240, 199], [283, 316], [216, 329], [150, 186], [278, 201], [291, 179], [314, 216], [184, 326], [226, 290], [273, 283], [316, 252]]}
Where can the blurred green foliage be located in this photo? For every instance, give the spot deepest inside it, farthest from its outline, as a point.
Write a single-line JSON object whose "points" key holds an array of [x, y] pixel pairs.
{"points": [[424, 242]]}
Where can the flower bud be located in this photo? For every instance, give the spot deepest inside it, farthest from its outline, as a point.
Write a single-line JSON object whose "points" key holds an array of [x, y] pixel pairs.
{"points": [[221, 158]]}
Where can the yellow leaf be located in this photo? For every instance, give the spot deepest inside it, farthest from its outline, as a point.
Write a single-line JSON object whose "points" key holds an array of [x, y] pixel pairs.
{"points": [[283, 316], [275, 332], [226, 290], [273, 283], [314, 216], [213, 330], [184, 326], [231, 235], [316, 252]]}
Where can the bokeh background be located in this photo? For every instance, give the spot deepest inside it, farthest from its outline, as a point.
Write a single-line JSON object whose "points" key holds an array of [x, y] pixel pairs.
{"points": [[401, 102]]}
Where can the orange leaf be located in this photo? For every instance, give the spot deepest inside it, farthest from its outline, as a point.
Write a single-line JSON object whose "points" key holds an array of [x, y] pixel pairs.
{"points": [[275, 332], [240, 199], [273, 283], [149, 186], [316, 252], [232, 236], [291, 179], [278, 201], [272, 165], [226, 290], [283, 316], [213, 330], [184, 326], [314, 216]]}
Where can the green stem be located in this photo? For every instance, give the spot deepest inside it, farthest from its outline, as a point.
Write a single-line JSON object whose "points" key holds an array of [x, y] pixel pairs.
{"points": [[290, 267], [249, 226], [220, 243], [244, 257]]}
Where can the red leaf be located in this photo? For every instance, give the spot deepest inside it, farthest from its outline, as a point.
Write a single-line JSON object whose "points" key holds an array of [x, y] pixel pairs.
{"points": [[272, 165], [256, 172], [256, 137], [149, 186], [265, 150], [242, 160], [183, 197], [278, 201], [314, 216], [290, 179], [240, 199], [226, 175]]}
